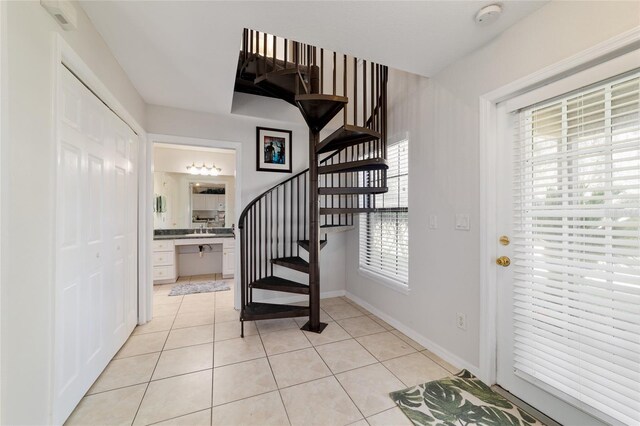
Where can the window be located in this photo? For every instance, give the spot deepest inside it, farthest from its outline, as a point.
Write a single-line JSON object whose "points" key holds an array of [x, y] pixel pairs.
{"points": [[384, 235], [577, 252]]}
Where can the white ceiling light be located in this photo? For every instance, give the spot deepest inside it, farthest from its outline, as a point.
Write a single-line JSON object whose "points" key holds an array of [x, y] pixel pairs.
{"points": [[204, 170], [488, 14]]}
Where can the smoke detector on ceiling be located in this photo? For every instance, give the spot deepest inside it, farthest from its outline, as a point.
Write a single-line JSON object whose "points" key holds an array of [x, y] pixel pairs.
{"points": [[488, 14]]}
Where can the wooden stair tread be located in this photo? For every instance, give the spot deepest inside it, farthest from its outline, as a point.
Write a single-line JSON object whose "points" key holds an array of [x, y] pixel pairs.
{"points": [[318, 109], [327, 229], [293, 262], [355, 166], [305, 244], [346, 136], [280, 284], [258, 311], [346, 210], [353, 190]]}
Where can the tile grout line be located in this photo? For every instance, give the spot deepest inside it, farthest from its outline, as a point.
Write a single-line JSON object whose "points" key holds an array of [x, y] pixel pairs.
{"points": [[274, 378], [213, 357], [154, 368], [335, 378], [177, 417], [384, 366]]}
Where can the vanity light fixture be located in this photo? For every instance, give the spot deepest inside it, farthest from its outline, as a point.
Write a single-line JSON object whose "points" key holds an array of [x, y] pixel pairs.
{"points": [[204, 170]]}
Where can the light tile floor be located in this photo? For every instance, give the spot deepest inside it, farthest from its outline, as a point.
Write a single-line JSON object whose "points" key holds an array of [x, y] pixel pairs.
{"points": [[189, 366]]}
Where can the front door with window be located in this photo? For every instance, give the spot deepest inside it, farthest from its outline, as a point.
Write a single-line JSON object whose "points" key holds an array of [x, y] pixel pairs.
{"points": [[569, 267]]}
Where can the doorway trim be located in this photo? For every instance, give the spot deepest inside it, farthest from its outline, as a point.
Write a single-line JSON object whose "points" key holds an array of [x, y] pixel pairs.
{"points": [[488, 131], [147, 196]]}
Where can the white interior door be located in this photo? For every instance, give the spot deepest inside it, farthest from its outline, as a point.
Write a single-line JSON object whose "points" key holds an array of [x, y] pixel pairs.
{"points": [[569, 203], [96, 241]]}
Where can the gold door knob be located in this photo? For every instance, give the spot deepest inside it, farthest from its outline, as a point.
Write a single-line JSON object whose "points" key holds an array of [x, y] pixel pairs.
{"points": [[503, 261]]}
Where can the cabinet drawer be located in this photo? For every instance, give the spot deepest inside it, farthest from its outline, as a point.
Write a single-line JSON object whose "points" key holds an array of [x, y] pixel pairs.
{"points": [[163, 272], [163, 258], [228, 243], [163, 245]]}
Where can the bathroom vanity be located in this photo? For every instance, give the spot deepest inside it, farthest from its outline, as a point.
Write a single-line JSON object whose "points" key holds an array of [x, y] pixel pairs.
{"points": [[181, 252]]}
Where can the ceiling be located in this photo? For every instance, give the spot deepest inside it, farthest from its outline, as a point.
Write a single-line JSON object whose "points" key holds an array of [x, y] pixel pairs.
{"points": [[184, 54]]}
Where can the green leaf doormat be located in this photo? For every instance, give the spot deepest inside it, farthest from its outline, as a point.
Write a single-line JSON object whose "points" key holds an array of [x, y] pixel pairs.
{"points": [[459, 400]]}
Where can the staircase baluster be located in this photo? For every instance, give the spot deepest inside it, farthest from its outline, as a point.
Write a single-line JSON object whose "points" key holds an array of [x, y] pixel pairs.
{"points": [[244, 46], [255, 244], [321, 70], [355, 91], [364, 93], [344, 85], [372, 95], [334, 74], [278, 222], [275, 49], [251, 43], [286, 51], [260, 248], [308, 60], [291, 218], [298, 215], [284, 221], [264, 52]]}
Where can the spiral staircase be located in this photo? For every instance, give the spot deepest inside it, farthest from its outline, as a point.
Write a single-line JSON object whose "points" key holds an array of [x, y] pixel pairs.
{"points": [[288, 225]]}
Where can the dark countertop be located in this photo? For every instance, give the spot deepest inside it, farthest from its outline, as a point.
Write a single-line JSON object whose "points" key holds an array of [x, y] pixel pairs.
{"points": [[180, 234]]}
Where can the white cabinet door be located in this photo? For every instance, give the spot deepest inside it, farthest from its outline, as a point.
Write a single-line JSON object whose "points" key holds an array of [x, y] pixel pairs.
{"points": [[220, 204], [228, 262], [95, 293], [211, 201], [198, 202], [228, 258]]}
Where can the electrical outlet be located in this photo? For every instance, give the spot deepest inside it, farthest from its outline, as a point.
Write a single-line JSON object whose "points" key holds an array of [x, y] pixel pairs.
{"points": [[461, 321], [433, 222]]}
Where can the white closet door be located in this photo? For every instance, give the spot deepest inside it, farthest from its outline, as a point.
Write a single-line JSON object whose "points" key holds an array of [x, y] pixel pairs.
{"points": [[96, 244]]}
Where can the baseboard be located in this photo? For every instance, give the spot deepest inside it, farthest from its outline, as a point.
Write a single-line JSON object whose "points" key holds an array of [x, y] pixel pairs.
{"points": [[302, 298], [427, 343]]}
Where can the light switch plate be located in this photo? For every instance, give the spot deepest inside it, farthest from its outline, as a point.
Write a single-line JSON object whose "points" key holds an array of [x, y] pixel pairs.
{"points": [[433, 221], [462, 222]]}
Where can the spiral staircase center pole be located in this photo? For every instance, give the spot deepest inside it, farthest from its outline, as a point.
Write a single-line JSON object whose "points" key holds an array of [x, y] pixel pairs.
{"points": [[314, 237]]}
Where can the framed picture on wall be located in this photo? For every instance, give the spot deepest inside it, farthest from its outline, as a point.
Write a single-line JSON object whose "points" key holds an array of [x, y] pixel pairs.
{"points": [[273, 150]]}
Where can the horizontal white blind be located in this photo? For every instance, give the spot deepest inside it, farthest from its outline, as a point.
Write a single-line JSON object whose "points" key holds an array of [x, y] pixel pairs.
{"points": [[384, 235], [576, 259]]}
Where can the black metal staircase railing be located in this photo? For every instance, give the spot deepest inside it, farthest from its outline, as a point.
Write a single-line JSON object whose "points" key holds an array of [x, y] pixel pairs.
{"points": [[347, 168]]}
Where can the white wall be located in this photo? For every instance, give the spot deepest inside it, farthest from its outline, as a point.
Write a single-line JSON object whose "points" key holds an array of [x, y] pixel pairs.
{"points": [[27, 198], [177, 160], [242, 129], [441, 116]]}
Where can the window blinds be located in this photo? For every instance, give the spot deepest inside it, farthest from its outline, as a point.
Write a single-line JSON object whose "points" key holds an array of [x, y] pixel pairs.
{"points": [[576, 300], [384, 235]]}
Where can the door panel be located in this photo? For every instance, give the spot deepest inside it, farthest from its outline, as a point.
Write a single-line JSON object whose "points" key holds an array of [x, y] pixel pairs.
{"points": [[96, 234], [569, 201], [506, 376]]}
